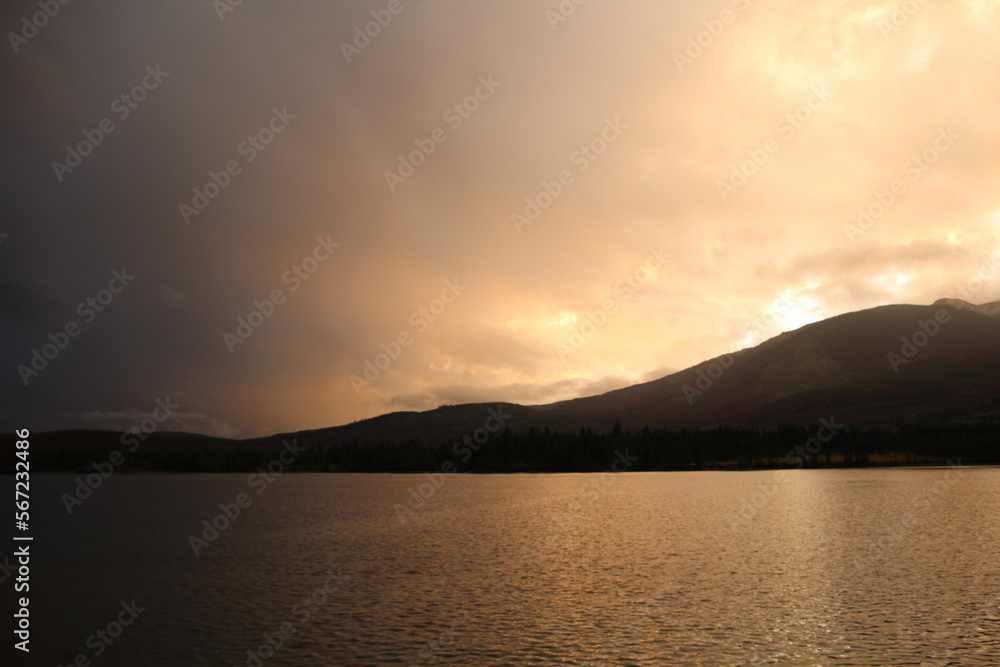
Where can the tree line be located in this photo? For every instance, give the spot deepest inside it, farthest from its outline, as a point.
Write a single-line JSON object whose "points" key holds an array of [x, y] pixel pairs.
{"points": [[545, 450]]}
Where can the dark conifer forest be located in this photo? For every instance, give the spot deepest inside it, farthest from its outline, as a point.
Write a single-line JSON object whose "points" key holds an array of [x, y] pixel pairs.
{"points": [[544, 450]]}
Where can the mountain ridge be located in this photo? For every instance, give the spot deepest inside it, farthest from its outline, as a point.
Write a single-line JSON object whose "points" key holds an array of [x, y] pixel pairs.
{"points": [[842, 364]]}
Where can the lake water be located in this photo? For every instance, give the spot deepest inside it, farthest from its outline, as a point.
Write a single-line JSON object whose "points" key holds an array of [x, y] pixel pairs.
{"points": [[826, 567]]}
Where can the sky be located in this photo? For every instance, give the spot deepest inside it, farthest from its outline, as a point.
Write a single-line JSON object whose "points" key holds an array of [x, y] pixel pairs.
{"points": [[273, 216]]}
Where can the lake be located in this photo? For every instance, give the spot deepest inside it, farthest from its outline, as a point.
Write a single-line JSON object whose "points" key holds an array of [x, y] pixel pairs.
{"points": [[799, 567]]}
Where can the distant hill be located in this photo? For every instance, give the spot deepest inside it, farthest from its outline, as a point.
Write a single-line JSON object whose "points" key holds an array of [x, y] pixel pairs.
{"points": [[898, 364], [840, 366]]}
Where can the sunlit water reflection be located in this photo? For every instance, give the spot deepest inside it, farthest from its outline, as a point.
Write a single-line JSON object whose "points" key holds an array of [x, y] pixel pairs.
{"points": [[839, 567]]}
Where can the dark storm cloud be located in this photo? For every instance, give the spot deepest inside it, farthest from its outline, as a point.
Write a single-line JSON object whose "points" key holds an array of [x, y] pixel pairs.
{"points": [[344, 125]]}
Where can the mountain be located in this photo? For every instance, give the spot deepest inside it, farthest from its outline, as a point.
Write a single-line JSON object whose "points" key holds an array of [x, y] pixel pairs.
{"points": [[893, 364], [864, 363]]}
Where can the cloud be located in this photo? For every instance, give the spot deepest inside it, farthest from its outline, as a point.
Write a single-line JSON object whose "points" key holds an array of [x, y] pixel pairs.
{"points": [[781, 234]]}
